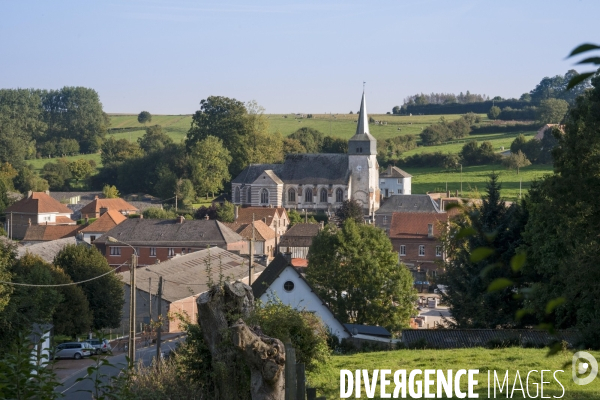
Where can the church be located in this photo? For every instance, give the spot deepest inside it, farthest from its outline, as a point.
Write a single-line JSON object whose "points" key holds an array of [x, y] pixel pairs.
{"points": [[316, 181]]}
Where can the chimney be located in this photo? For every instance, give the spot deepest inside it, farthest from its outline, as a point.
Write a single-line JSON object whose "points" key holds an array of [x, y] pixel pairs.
{"points": [[236, 213], [441, 204], [103, 210], [47, 192], [87, 220], [180, 219], [448, 193], [141, 216], [264, 220], [96, 197], [29, 222], [288, 256], [430, 230], [29, 194], [321, 225]]}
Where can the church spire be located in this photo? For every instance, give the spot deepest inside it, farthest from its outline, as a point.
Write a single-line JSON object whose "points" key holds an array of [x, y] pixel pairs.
{"points": [[363, 118]]}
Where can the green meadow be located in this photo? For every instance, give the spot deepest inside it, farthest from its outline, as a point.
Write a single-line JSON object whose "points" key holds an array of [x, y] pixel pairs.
{"points": [[327, 378]]}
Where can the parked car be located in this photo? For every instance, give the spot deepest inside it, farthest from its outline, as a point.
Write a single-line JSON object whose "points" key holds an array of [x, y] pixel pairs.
{"points": [[76, 350], [99, 345]]}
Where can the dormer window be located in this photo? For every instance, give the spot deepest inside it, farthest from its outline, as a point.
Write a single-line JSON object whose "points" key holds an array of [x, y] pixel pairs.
{"points": [[430, 230]]}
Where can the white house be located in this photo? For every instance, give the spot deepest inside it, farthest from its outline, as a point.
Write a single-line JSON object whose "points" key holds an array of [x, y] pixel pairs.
{"points": [[394, 181]]}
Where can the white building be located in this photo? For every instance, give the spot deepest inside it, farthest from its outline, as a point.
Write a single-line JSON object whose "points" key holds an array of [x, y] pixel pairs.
{"points": [[394, 181]]}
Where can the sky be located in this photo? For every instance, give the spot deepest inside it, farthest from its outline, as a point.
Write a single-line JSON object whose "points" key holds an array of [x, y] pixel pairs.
{"points": [[164, 56]]}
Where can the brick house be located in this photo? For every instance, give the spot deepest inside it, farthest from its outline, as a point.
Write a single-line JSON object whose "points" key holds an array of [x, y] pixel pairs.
{"points": [[38, 208], [275, 218], [415, 237], [99, 227], [158, 240], [97, 207], [399, 203]]}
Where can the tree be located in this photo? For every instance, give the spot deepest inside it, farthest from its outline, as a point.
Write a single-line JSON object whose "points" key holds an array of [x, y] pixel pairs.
{"points": [[351, 209], [144, 117], [110, 192], [334, 145], [114, 152], [155, 139], [292, 146], [396, 110], [356, 272], [295, 217], [72, 315], [67, 147], [493, 229], [158, 213], [516, 161], [473, 154], [310, 138], [552, 111], [57, 174], [226, 212], [8, 255], [209, 161], [105, 295], [4, 201], [494, 112], [80, 169], [27, 180], [184, 189]]}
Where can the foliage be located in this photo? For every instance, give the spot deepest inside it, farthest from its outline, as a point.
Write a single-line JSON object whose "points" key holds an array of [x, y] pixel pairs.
{"points": [[292, 146], [310, 138], [4, 201], [390, 150], [444, 130], [356, 272], [57, 174], [105, 295], [27, 180], [334, 145], [473, 154], [72, 315], [226, 212], [209, 165], [110, 192], [480, 244], [350, 209], [155, 139], [583, 48], [158, 213], [80, 169], [186, 194], [22, 377], [7, 174], [210, 211], [115, 152], [304, 329], [524, 114], [494, 112], [294, 217], [8, 255], [552, 111], [516, 161], [532, 148], [435, 159], [444, 98], [144, 117], [556, 87]]}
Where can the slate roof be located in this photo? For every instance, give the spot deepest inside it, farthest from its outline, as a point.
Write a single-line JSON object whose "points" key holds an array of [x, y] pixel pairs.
{"points": [[465, 338], [42, 233], [300, 235], [268, 276], [421, 203], [85, 197], [394, 172], [357, 329], [245, 214], [46, 250], [406, 225], [261, 231], [37, 203], [112, 204], [302, 169], [170, 233], [106, 222], [186, 275]]}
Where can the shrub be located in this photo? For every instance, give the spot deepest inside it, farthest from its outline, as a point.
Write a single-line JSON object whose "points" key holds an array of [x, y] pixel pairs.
{"points": [[158, 213]]}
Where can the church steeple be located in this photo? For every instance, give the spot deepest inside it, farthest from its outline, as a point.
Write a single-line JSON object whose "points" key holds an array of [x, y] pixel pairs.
{"points": [[362, 143], [363, 118]]}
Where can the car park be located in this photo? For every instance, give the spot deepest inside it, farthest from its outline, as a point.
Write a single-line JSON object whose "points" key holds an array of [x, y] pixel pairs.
{"points": [[76, 350]]}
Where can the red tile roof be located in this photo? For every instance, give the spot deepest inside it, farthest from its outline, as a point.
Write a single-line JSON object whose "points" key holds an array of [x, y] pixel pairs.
{"points": [[245, 214], [111, 204], [299, 262], [38, 203], [106, 222], [64, 220], [415, 225], [261, 230], [39, 233]]}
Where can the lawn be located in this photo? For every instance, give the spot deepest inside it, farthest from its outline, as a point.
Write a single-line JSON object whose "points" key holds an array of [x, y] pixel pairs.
{"points": [[327, 379], [38, 164]]}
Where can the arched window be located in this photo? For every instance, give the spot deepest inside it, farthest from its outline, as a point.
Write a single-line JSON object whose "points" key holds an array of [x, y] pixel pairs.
{"points": [[339, 196], [264, 196], [308, 195], [292, 195], [236, 196], [323, 196]]}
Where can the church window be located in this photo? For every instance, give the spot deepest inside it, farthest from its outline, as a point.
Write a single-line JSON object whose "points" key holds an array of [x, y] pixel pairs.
{"points": [[308, 196], [264, 196], [323, 195], [339, 196], [236, 197], [291, 195]]}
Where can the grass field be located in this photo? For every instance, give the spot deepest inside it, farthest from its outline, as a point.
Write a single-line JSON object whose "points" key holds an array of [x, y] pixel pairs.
{"points": [[39, 163], [327, 379]]}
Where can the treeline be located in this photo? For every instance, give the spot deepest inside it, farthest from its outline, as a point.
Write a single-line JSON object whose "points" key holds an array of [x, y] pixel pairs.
{"points": [[444, 130], [445, 98]]}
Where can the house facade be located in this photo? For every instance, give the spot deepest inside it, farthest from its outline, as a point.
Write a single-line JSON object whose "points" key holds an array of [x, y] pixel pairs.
{"points": [[316, 181], [414, 203], [297, 240], [99, 227], [275, 218], [264, 237], [394, 181]]}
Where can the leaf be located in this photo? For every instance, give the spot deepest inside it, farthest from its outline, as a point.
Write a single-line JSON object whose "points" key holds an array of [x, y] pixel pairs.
{"points": [[590, 60], [522, 312], [499, 284], [576, 80], [450, 206], [517, 262], [465, 232], [481, 253], [582, 48], [552, 304], [487, 269]]}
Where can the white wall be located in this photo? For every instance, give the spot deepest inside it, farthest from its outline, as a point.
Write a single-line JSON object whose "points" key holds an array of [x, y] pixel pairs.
{"points": [[303, 298], [393, 187]]}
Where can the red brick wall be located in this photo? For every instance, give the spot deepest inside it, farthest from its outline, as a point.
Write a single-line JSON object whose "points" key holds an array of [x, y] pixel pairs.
{"points": [[412, 252]]}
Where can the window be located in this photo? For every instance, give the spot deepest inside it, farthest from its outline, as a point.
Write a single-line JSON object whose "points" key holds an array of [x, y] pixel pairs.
{"points": [[339, 196], [385, 219], [92, 238], [183, 251], [308, 195], [152, 251], [288, 286], [249, 193], [264, 196], [137, 251], [171, 252], [292, 195], [400, 181], [438, 251], [430, 230], [115, 251], [421, 250], [236, 196], [323, 195], [402, 250]]}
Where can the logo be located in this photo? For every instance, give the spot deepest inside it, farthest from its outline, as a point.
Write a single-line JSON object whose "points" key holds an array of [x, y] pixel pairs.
{"points": [[579, 368]]}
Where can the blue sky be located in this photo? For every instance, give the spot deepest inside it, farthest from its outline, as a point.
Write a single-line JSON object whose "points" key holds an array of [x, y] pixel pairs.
{"points": [[306, 56]]}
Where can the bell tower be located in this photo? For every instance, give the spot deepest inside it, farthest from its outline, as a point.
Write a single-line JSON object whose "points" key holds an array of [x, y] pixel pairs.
{"points": [[362, 162]]}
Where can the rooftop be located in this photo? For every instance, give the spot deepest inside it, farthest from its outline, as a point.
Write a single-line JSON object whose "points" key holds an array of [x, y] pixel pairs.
{"points": [[106, 222], [394, 172], [300, 235], [261, 231], [420, 203], [42, 233], [245, 214], [111, 204], [406, 225], [46, 250], [38, 203]]}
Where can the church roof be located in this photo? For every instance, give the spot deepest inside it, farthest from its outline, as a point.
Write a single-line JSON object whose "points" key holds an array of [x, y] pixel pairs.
{"points": [[303, 169], [362, 130]]}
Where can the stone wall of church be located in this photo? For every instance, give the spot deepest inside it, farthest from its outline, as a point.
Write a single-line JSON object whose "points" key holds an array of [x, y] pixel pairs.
{"points": [[314, 197]]}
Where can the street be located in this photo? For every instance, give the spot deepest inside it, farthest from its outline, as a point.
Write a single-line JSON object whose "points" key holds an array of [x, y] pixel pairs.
{"points": [[74, 390]]}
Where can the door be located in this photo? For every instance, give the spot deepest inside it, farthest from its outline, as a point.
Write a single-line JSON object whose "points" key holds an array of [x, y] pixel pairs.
{"points": [[386, 193]]}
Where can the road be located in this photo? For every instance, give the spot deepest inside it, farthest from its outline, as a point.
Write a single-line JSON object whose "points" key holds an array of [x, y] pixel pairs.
{"points": [[73, 390]]}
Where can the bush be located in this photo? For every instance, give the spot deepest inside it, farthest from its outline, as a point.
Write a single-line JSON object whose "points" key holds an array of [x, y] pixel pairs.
{"points": [[158, 213], [436, 159]]}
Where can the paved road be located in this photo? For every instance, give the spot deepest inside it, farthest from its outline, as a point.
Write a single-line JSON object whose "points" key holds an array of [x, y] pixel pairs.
{"points": [[74, 390]]}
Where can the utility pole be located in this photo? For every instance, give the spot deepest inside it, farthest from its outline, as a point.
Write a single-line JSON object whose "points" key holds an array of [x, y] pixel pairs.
{"points": [[251, 253], [159, 318], [175, 202], [150, 298], [132, 310], [461, 180]]}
